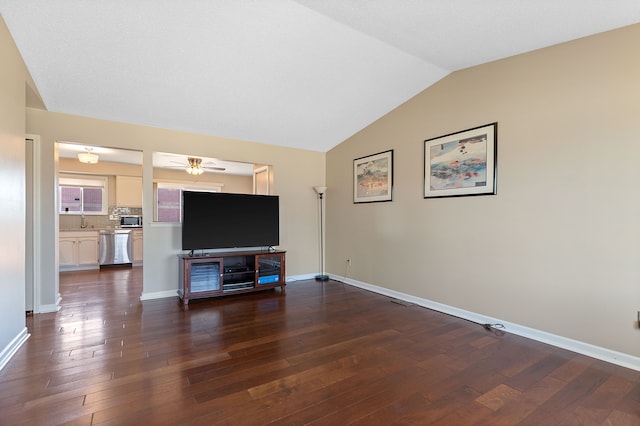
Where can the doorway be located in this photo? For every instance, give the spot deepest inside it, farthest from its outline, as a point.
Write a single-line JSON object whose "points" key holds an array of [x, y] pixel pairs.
{"points": [[97, 187]]}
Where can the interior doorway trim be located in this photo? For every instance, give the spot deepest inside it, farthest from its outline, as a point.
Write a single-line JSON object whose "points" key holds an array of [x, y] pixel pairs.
{"points": [[261, 178], [35, 231]]}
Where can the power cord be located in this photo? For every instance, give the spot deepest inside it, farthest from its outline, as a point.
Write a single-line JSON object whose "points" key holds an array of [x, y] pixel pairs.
{"points": [[497, 329]]}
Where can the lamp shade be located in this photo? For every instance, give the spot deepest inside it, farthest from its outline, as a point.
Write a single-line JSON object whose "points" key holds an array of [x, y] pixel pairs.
{"points": [[320, 189]]}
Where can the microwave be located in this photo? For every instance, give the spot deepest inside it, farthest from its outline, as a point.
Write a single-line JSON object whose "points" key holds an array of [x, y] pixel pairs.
{"points": [[130, 221]]}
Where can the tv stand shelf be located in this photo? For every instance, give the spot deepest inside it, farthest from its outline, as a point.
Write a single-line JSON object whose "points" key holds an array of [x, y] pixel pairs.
{"points": [[234, 272]]}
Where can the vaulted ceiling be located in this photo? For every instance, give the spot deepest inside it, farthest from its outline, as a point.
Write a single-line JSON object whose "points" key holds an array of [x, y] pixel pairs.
{"points": [[297, 73]]}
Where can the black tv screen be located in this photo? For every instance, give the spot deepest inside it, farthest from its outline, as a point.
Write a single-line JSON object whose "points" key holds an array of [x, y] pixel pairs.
{"points": [[214, 220]]}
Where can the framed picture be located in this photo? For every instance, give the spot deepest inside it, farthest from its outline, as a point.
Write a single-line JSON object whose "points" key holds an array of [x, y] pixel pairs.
{"points": [[461, 163], [373, 178]]}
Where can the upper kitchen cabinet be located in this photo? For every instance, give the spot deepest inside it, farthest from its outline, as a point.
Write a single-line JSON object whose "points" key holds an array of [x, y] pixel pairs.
{"points": [[128, 191]]}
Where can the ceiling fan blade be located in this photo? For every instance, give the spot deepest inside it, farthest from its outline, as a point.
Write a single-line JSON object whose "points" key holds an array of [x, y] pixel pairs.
{"points": [[207, 165]]}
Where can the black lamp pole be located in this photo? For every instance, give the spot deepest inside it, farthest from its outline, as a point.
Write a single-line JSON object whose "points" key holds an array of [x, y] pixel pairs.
{"points": [[321, 190]]}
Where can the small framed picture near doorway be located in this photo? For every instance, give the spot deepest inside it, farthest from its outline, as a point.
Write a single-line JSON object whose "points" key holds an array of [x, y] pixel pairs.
{"points": [[373, 178], [461, 163]]}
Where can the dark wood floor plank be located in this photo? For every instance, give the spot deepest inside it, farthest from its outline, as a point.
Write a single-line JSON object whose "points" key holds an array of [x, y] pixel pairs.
{"points": [[620, 418], [306, 393], [324, 353], [561, 407], [311, 397], [343, 396]]}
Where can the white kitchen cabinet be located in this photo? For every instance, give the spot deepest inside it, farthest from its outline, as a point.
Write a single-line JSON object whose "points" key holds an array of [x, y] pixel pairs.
{"points": [[129, 191], [78, 250], [136, 236], [67, 251]]}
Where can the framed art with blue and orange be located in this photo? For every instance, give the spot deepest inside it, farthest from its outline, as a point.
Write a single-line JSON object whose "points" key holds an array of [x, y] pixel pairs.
{"points": [[462, 163], [373, 178]]}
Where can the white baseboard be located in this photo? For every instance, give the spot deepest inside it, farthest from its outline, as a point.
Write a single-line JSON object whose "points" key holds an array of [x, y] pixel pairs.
{"points": [[603, 354], [46, 309], [9, 351], [77, 268], [293, 278], [159, 295], [52, 307]]}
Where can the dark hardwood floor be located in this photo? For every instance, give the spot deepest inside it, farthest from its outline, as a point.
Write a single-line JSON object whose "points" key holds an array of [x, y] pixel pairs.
{"points": [[323, 354]]}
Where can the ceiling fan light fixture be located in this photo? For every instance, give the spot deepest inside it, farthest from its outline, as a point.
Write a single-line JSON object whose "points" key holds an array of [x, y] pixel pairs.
{"points": [[88, 157], [195, 166]]}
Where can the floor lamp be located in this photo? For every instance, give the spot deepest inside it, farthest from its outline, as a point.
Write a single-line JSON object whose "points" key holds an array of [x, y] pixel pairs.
{"points": [[321, 190]]}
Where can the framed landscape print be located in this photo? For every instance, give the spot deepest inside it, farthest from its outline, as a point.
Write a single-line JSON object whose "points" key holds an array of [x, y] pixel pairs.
{"points": [[373, 178], [461, 163]]}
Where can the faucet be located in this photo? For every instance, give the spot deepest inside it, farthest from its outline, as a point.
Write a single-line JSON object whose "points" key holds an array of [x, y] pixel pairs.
{"points": [[83, 221]]}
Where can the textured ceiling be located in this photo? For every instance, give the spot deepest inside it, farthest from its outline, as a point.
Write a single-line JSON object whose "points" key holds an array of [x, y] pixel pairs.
{"points": [[305, 73]]}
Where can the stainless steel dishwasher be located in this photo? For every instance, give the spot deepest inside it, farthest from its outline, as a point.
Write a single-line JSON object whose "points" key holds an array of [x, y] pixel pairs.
{"points": [[115, 247]]}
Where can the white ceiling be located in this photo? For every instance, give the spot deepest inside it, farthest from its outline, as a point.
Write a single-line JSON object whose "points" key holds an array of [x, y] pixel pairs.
{"points": [[298, 73]]}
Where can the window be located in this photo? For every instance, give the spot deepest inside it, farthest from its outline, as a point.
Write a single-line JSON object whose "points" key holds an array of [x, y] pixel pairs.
{"points": [[169, 198], [83, 195], [169, 204]]}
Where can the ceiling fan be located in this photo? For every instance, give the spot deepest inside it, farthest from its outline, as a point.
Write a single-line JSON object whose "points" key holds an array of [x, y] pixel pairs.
{"points": [[195, 166]]}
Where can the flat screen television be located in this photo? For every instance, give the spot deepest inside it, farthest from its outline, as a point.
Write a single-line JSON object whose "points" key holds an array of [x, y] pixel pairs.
{"points": [[216, 220]]}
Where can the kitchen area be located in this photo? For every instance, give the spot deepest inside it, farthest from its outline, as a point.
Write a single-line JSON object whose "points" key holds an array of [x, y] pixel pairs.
{"points": [[100, 217], [100, 220]]}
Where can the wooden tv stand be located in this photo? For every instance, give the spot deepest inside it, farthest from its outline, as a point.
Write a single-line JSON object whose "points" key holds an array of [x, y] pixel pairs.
{"points": [[234, 272]]}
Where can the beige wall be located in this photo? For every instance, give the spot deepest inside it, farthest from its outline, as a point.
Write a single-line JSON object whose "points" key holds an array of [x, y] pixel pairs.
{"points": [[558, 248], [295, 173], [13, 80]]}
